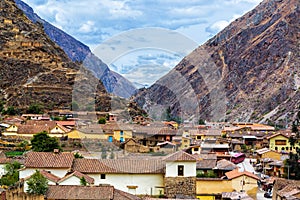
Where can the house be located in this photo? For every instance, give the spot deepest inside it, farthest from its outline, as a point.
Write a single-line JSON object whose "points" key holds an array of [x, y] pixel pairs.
{"points": [[151, 135], [138, 176], [58, 164], [275, 168], [267, 153], [180, 177], [117, 131], [224, 166], [33, 127], [286, 189], [243, 181], [205, 164], [71, 192], [166, 147], [133, 146], [280, 143]]}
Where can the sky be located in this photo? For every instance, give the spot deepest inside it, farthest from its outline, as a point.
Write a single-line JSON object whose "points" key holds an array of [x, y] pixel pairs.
{"points": [[95, 22]]}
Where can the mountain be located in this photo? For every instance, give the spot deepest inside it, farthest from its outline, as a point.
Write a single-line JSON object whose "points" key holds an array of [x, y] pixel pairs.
{"points": [[247, 72], [34, 69], [77, 51]]}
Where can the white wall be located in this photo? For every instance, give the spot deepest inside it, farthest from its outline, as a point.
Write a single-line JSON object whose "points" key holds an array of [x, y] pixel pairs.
{"points": [[73, 180], [145, 182], [2, 170], [172, 168], [24, 173]]}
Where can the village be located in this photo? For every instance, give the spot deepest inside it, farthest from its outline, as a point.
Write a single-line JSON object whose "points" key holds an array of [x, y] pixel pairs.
{"points": [[147, 159]]}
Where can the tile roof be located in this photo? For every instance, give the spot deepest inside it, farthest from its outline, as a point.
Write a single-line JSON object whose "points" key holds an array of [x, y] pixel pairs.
{"points": [[235, 173], [49, 160], [120, 195], [206, 164], [50, 176], [180, 156], [50, 124], [225, 165], [79, 175], [91, 166], [32, 129], [131, 166], [136, 166], [69, 192]]}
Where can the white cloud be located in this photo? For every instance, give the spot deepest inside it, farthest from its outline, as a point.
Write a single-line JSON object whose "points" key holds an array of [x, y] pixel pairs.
{"points": [[87, 27]]}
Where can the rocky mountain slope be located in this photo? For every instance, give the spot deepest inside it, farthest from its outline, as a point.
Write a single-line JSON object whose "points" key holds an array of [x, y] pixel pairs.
{"points": [[33, 69], [77, 51], [250, 71]]}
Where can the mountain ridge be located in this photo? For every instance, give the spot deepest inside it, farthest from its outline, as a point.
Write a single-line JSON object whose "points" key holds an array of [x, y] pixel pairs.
{"points": [[247, 72], [79, 52], [35, 70]]}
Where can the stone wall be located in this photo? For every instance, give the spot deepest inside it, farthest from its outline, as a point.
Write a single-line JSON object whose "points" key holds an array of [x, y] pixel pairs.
{"points": [[180, 187]]}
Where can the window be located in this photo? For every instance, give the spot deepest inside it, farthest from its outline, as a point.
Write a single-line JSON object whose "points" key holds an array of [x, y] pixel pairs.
{"points": [[196, 149], [180, 170], [121, 133], [276, 148], [121, 139], [102, 176], [198, 137], [280, 142]]}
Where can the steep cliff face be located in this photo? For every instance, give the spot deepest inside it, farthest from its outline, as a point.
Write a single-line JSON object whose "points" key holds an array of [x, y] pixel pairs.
{"points": [[33, 69], [77, 51], [248, 72]]}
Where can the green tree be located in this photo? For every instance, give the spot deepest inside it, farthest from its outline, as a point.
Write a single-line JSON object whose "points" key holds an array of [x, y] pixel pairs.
{"points": [[42, 142], [12, 174], [10, 111], [35, 109], [102, 120], [37, 184], [83, 181], [77, 155], [201, 122]]}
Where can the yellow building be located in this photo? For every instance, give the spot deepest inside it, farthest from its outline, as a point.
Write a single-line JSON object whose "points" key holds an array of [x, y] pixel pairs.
{"points": [[210, 188], [267, 153], [280, 142]]}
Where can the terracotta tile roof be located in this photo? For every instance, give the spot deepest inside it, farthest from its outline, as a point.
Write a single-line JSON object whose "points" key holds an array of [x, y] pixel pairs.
{"points": [[206, 164], [66, 123], [50, 124], [91, 166], [225, 165], [32, 129], [120, 195], [80, 192], [49, 176], [49, 160], [79, 175], [235, 173], [136, 166], [180, 156]]}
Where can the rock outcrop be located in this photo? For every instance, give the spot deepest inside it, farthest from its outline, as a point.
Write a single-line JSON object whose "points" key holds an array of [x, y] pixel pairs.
{"points": [[79, 52], [34, 69], [248, 72]]}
